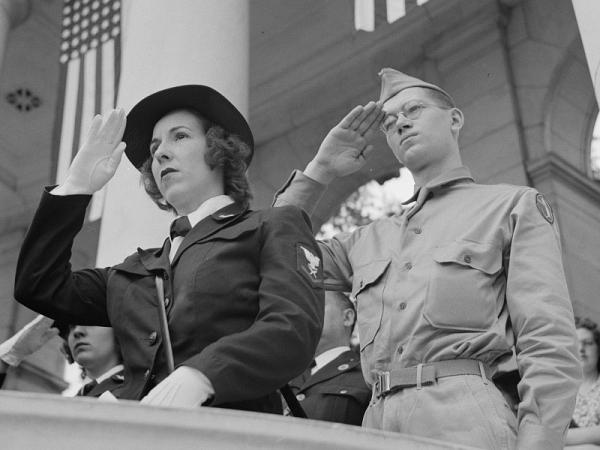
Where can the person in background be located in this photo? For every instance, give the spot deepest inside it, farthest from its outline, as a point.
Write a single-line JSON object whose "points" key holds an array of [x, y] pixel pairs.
{"points": [[97, 352], [333, 389], [230, 307], [94, 349], [585, 426], [447, 288]]}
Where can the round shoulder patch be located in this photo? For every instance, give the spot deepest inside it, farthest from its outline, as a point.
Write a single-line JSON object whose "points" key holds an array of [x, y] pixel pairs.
{"points": [[544, 208]]}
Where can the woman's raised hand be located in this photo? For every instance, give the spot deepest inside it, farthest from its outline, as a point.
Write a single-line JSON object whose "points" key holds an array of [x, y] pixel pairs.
{"points": [[98, 158]]}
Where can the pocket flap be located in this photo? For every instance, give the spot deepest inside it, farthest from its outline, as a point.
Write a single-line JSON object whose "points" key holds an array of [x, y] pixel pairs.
{"points": [[367, 275], [484, 257]]}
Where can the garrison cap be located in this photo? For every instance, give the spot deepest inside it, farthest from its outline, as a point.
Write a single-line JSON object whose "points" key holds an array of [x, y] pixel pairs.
{"points": [[393, 81]]}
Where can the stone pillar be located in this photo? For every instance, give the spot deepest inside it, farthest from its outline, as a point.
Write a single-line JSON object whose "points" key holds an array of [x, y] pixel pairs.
{"points": [[12, 14], [168, 44]]}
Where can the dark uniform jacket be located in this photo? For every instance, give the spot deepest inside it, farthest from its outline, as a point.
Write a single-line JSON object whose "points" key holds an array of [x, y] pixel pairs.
{"points": [[336, 392], [243, 295], [93, 389]]}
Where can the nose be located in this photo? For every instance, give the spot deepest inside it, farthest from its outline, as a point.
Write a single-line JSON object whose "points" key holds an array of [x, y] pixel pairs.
{"points": [[79, 331], [162, 152], [403, 123]]}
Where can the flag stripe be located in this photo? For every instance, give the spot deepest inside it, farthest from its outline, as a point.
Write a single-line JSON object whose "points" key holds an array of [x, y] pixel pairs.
{"points": [[69, 110], [58, 122]]}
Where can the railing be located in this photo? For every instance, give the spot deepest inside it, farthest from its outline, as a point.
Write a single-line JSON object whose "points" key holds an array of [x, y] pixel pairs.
{"points": [[48, 422]]}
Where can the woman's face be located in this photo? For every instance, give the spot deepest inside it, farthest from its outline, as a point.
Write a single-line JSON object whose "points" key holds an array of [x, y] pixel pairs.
{"points": [[178, 147], [588, 350]]}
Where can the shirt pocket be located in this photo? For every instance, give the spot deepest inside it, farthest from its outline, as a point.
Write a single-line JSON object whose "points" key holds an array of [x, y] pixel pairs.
{"points": [[463, 286], [368, 284]]}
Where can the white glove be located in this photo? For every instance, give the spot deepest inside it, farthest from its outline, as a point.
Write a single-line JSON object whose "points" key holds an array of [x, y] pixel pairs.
{"points": [[98, 158], [31, 338], [184, 388]]}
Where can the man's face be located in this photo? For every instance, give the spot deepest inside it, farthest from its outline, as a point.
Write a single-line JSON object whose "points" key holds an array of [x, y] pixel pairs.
{"points": [[178, 147], [92, 346], [425, 140]]}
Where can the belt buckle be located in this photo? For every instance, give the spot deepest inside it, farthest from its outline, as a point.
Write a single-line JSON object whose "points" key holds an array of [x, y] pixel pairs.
{"points": [[382, 384]]}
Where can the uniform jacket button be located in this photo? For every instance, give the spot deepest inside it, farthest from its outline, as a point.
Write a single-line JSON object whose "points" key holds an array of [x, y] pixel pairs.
{"points": [[147, 373], [167, 302], [300, 397], [344, 391], [467, 259], [152, 338]]}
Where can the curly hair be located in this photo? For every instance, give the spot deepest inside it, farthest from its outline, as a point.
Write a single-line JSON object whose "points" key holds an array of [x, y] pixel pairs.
{"points": [[226, 151], [590, 325]]}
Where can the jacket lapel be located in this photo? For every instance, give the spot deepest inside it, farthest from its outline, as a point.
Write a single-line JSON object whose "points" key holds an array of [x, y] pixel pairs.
{"points": [[146, 262], [209, 226], [346, 361]]}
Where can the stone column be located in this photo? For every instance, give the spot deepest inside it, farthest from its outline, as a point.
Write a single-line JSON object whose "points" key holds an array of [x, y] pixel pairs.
{"points": [[167, 44], [12, 14]]}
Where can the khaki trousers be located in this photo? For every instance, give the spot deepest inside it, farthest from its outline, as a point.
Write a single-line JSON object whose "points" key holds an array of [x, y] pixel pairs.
{"points": [[462, 409]]}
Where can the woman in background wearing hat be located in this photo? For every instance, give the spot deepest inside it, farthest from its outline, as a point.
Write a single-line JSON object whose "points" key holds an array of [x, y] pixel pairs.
{"points": [[241, 289]]}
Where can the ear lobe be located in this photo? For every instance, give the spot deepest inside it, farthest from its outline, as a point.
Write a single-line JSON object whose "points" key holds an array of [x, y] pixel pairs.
{"points": [[457, 119]]}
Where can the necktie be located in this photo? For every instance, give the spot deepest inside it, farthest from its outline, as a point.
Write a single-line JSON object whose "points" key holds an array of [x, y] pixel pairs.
{"points": [[87, 388], [422, 197], [180, 227]]}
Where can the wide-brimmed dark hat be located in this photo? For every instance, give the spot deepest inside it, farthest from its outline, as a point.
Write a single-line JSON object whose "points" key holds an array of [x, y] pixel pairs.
{"points": [[205, 100]]}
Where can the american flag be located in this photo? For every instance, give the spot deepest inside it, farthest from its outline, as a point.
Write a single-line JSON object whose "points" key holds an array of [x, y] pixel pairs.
{"points": [[365, 17], [90, 66]]}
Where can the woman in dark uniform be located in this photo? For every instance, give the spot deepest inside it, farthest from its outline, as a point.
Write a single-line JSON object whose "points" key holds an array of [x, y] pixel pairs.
{"points": [[239, 291]]}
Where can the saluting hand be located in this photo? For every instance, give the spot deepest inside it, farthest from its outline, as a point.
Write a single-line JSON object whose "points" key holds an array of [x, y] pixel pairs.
{"points": [[28, 340], [346, 147], [98, 158]]}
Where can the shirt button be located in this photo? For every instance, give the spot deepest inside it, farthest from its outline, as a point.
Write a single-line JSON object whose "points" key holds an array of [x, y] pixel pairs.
{"points": [[167, 302], [361, 283], [418, 231], [402, 306], [152, 338], [467, 259], [400, 349], [408, 266], [300, 397]]}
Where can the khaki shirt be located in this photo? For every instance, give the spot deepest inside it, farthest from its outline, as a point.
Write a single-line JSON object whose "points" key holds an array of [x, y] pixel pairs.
{"points": [[469, 271]]}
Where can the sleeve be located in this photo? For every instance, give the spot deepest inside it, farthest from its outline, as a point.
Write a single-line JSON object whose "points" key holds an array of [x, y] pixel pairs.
{"points": [[305, 193], [542, 320], [44, 280], [282, 340]]}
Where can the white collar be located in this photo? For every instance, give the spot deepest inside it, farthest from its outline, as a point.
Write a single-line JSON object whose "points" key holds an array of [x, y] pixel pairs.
{"points": [[109, 373], [327, 356], [210, 206]]}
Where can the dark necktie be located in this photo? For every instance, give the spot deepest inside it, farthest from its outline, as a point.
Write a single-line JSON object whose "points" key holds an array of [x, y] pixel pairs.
{"points": [[180, 227], [87, 388]]}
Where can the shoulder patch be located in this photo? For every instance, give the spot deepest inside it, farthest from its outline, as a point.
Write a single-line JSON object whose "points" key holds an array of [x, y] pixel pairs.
{"points": [[309, 264], [544, 208]]}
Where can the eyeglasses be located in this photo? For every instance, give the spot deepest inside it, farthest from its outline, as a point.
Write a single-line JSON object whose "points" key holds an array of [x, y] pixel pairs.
{"points": [[411, 111]]}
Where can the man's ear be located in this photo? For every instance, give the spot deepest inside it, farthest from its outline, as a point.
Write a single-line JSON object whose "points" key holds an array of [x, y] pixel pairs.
{"points": [[457, 120], [349, 317]]}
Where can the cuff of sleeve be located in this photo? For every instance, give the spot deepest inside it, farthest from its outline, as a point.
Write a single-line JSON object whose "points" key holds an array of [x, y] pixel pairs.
{"points": [[11, 359], [538, 437], [300, 190]]}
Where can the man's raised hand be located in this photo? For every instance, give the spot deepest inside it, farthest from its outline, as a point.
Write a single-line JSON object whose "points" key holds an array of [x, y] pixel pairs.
{"points": [[346, 147]]}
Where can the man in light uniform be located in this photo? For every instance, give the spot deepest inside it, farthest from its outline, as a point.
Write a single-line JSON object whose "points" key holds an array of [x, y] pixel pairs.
{"points": [[447, 288]]}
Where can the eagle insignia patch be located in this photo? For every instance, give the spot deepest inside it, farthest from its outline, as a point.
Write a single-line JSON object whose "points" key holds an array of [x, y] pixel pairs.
{"points": [[544, 208], [309, 264]]}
